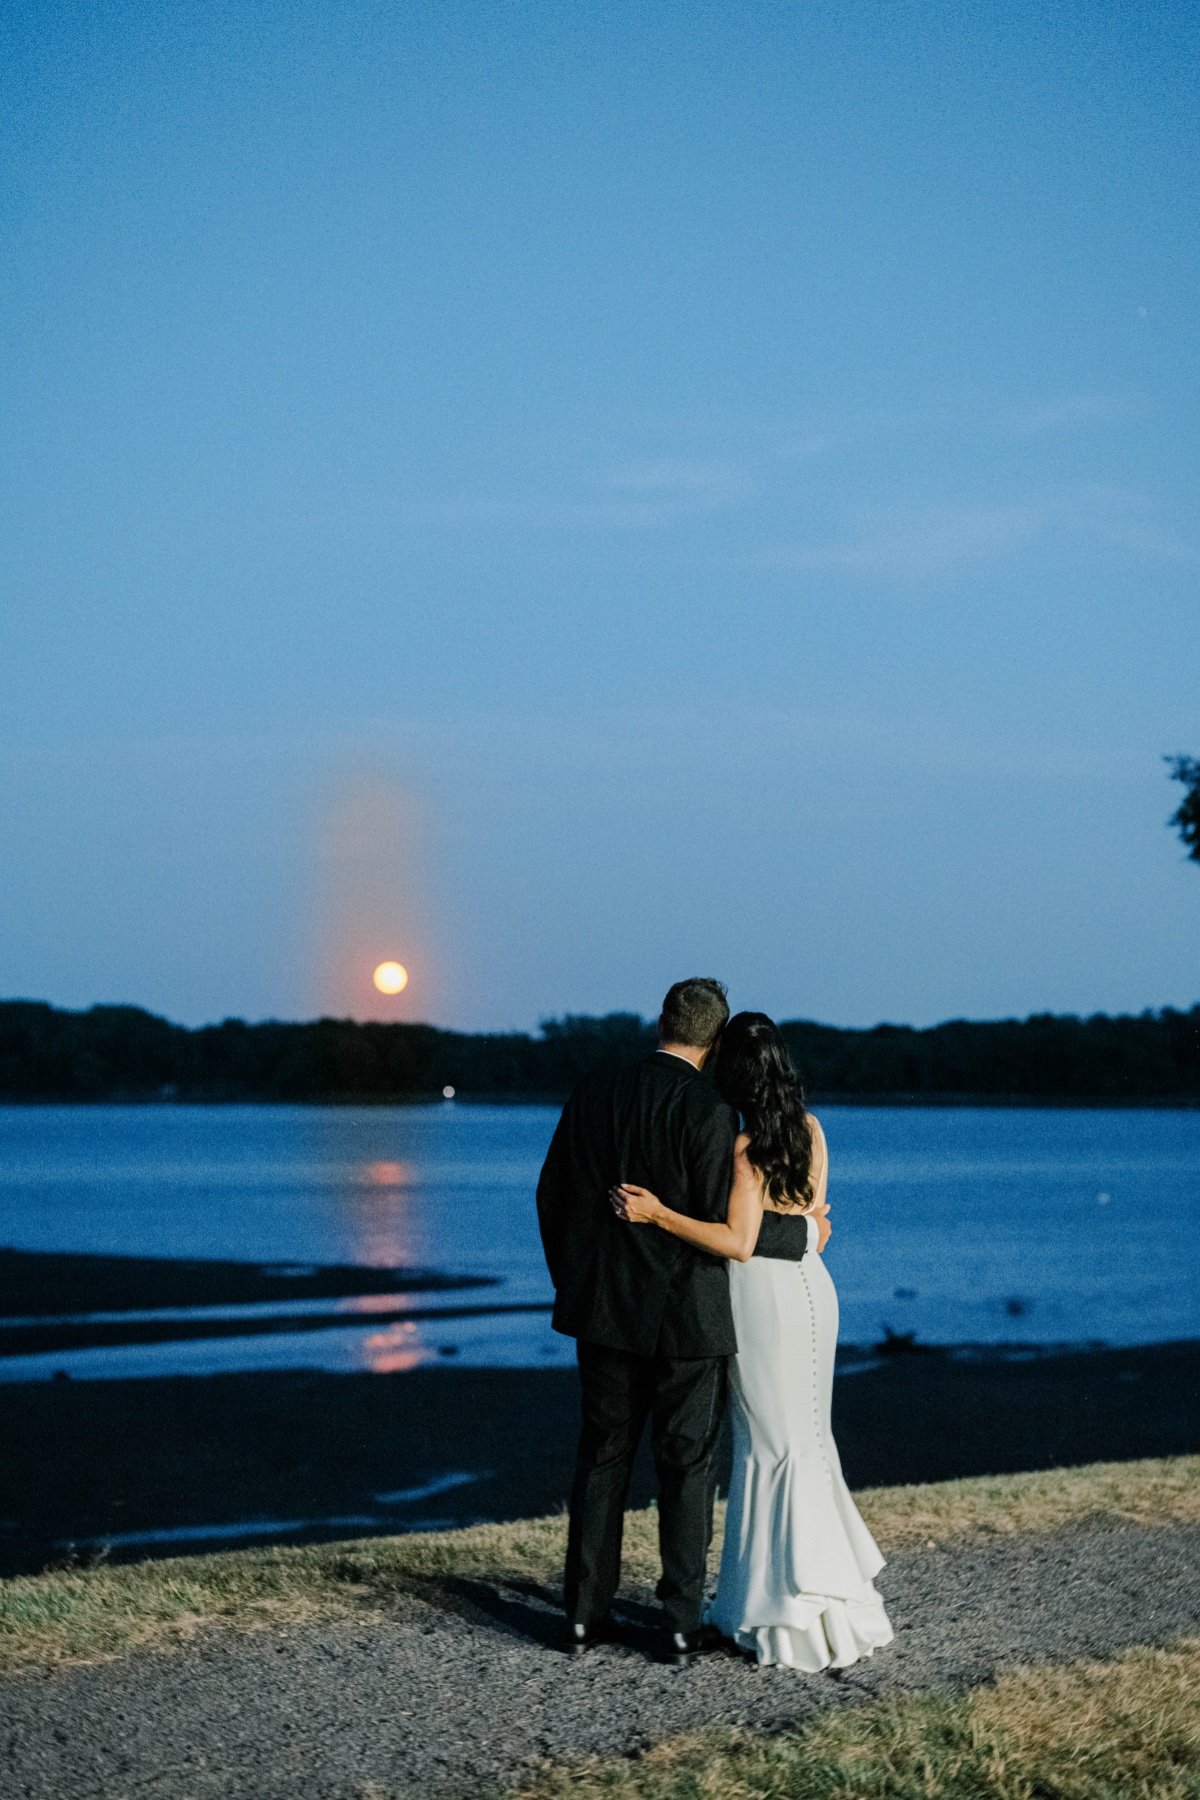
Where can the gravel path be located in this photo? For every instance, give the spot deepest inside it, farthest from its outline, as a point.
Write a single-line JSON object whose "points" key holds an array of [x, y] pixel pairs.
{"points": [[467, 1693]]}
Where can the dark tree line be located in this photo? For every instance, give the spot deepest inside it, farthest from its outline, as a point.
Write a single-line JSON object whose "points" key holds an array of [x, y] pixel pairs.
{"points": [[1148, 1056], [124, 1053]]}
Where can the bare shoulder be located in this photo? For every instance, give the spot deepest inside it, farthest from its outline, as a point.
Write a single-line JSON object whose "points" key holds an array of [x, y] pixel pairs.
{"points": [[818, 1138]]}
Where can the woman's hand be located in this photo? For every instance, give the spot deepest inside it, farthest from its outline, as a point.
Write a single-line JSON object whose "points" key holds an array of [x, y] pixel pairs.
{"points": [[636, 1205]]}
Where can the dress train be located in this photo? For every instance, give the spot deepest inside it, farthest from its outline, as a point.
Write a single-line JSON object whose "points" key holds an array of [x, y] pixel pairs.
{"points": [[796, 1583]]}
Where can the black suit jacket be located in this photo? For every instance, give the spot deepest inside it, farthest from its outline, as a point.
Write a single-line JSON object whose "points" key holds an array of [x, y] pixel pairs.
{"points": [[634, 1287]]}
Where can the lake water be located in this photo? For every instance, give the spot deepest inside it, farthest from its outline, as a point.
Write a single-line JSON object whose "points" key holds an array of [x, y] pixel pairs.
{"points": [[964, 1225]]}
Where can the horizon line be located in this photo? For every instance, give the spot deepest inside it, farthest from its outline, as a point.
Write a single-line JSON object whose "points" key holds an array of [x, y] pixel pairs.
{"points": [[129, 1006]]}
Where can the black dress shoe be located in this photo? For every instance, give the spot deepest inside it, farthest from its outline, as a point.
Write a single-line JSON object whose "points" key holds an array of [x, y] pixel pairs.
{"points": [[581, 1636], [683, 1647]]}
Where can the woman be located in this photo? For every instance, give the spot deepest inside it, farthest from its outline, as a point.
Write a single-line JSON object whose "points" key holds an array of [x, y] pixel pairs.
{"points": [[795, 1585]]}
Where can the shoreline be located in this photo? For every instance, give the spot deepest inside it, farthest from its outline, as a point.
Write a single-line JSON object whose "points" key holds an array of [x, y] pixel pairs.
{"points": [[66, 1305], [818, 1097], [120, 1470]]}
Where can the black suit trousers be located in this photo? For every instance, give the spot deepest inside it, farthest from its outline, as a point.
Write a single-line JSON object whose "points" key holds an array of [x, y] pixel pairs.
{"points": [[683, 1398]]}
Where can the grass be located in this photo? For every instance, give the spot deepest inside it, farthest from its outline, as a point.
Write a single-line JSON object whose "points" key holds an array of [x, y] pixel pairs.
{"points": [[1122, 1730], [107, 1609], [1159, 1491]]}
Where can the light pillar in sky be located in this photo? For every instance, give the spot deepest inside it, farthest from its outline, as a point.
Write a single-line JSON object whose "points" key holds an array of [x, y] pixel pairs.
{"points": [[376, 958]]}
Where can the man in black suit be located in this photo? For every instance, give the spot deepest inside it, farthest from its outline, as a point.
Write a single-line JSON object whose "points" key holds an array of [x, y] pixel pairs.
{"points": [[651, 1315]]}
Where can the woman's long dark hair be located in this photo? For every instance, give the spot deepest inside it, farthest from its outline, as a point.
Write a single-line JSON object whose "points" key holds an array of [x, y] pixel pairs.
{"points": [[754, 1073]]}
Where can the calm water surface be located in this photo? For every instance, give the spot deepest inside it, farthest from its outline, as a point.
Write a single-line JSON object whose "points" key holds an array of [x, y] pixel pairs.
{"points": [[963, 1225]]}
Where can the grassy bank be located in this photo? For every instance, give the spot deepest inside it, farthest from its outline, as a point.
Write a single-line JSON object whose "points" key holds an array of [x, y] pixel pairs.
{"points": [[1082, 1731], [106, 1610]]}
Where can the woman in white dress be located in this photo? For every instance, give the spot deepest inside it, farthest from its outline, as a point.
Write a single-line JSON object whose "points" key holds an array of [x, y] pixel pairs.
{"points": [[796, 1584]]}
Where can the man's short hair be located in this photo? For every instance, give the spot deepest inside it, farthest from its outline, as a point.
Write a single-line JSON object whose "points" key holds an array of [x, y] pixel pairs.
{"points": [[694, 1013]]}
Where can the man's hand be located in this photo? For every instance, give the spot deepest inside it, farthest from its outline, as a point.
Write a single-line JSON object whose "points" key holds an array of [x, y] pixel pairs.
{"points": [[636, 1205], [824, 1228]]}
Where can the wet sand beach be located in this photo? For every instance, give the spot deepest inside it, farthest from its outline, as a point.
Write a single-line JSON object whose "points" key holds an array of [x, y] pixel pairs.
{"points": [[135, 1468], [43, 1284]]}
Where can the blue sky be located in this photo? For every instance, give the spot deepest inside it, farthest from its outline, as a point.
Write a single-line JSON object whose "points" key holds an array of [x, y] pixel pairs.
{"points": [[571, 497]]}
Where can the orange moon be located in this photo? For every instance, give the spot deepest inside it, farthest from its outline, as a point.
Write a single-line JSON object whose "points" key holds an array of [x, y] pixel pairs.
{"points": [[390, 978]]}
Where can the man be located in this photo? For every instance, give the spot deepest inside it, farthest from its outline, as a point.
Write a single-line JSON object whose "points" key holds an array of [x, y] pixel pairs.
{"points": [[651, 1315]]}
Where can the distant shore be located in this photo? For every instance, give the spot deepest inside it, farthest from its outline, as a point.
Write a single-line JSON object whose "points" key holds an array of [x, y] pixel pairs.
{"points": [[128, 1469], [501, 1097], [123, 1053]]}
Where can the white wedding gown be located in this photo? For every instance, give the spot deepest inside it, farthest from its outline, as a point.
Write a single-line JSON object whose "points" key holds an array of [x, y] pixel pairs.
{"points": [[797, 1567]]}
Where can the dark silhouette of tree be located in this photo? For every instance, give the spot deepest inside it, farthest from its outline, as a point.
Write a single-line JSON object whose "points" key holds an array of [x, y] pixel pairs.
{"points": [[1186, 818]]}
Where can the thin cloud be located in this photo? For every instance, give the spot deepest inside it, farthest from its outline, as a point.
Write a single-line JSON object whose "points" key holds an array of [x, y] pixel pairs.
{"points": [[505, 745], [1070, 410], [913, 546], [1110, 514], [919, 544], [1150, 541], [712, 483]]}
